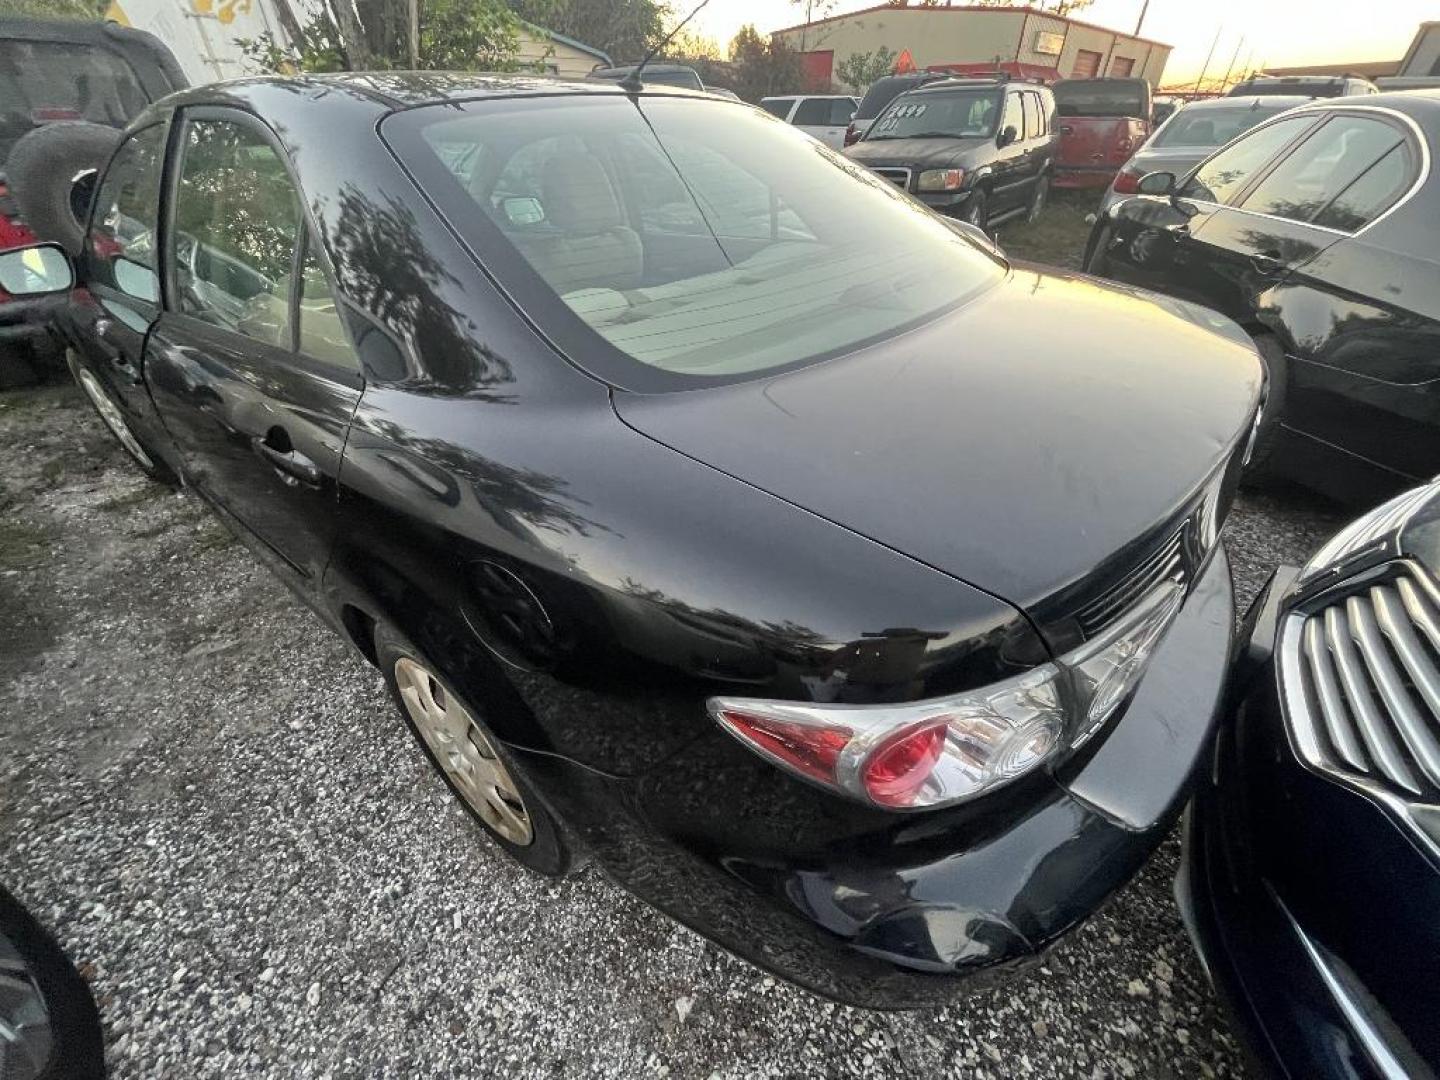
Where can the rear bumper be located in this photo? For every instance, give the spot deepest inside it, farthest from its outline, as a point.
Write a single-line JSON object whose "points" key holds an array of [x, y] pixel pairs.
{"points": [[905, 918], [1311, 909], [1084, 176]]}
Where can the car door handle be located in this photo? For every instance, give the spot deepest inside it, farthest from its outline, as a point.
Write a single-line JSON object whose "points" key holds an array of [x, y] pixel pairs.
{"points": [[275, 448], [1267, 263]]}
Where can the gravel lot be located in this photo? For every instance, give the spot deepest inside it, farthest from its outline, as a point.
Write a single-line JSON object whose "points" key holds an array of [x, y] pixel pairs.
{"points": [[210, 801]]}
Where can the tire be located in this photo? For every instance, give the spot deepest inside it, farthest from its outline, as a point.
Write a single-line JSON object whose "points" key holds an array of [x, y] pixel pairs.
{"points": [[1277, 370], [42, 168], [42, 985], [1098, 262], [542, 847], [977, 210], [145, 459], [1038, 199]]}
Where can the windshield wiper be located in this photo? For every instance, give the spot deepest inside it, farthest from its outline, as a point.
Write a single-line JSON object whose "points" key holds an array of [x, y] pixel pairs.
{"points": [[925, 135]]}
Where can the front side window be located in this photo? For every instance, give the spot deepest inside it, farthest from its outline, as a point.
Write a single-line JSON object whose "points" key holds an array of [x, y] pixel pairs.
{"points": [[812, 112], [1326, 163], [120, 244], [675, 244], [1014, 116], [1226, 174], [237, 220], [960, 114]]}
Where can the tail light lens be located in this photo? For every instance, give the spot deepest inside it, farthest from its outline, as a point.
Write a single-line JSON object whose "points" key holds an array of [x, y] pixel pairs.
{"points": [[1127, 182], [917, 755]]}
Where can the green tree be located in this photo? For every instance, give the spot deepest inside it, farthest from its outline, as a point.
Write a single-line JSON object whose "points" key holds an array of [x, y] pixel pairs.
{"points": [[763, 66], [859, 70], [626, 29], [53, 9]]}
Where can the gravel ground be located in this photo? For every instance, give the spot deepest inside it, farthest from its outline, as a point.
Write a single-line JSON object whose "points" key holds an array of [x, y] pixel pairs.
{"points": [[210, 801]]}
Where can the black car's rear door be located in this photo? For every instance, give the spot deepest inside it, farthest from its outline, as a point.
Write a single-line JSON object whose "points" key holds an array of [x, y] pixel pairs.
{"points": [[1277, 222], [248, 365], [1155, 241]]}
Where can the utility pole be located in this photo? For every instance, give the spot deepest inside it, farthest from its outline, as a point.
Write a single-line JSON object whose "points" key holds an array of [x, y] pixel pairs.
{"points": [[1141, 20], [1226, 80], [1206, 66], [414, 35]]}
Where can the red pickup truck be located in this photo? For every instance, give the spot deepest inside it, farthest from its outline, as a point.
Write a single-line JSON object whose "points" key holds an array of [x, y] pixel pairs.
{"points": [[1102, 122]]}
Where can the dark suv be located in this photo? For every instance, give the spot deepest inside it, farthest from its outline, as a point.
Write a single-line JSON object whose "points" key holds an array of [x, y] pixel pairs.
{"points": [[73, 73], [979, 149]]}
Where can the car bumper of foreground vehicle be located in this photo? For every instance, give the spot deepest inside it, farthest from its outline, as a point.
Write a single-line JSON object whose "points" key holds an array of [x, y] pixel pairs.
{"points": [[904, 917], [946, 202], [1308, 904]]}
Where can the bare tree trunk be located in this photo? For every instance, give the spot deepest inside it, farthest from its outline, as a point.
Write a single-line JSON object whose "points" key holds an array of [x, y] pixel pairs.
{"points": [[352, 35], [290, 24]]}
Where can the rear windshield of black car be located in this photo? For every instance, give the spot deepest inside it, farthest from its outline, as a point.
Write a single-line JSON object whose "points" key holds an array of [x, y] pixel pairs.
{"points": [[941, 114], [42, 82], [1212, 127], [1272, 87], [1100, 98], [667, 243]]}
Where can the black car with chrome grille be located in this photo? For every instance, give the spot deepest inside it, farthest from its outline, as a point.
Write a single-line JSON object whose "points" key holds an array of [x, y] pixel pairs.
{"points": [[981, 149], [1312, 877]]}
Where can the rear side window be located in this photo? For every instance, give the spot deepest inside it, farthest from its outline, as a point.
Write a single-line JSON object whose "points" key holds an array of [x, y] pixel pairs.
{"points": [[841, 109], [1032, 117], [1372, 193], [1226, 174], [45, 81], [777, 106], [1325, 164], [237, 221], [120, 245], [813, 112]]}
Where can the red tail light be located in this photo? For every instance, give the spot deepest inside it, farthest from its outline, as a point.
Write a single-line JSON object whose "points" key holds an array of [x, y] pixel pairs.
{"points": [[852, 134], [1127, 182], [810, 751], [897, 769]]}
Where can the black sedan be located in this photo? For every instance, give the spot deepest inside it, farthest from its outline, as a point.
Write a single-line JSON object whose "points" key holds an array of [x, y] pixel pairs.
{"points": [[865, 635], [1312, 872], [1318, 232]]}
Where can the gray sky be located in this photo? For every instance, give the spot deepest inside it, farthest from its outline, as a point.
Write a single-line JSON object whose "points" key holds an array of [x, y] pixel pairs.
{"points": [[1281, 32]]}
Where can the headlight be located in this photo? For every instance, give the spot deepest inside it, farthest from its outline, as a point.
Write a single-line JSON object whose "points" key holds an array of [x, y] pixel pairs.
{"points": [[931, 753], [940, 180]]}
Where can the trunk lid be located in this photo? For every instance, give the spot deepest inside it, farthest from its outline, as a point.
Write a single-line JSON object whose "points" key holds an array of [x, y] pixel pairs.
{"points": [[1018, 443]]}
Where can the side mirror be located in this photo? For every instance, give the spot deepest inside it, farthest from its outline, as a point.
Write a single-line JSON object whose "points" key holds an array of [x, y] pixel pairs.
{"points": [[1008, 135], [1157, 183], [39, 270]]}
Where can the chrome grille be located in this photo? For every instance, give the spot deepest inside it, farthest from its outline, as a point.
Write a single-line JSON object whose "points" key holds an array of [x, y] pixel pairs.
{"points": [[897, 176], [1167, 561], [1367, 695]]}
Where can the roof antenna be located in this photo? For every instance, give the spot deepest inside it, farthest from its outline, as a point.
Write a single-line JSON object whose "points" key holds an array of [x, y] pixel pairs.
{"points": [[632, 82]]}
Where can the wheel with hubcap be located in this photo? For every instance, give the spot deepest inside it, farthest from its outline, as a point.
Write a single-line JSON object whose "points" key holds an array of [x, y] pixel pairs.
{"points": [[473, 762], [977, 210], [115, 420]]}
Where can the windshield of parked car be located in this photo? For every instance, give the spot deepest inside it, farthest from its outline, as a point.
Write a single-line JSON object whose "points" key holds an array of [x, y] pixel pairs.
{"points": [[1101, 97], [667, 242], [1201, 127], [42, 82], [953, 114]]}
